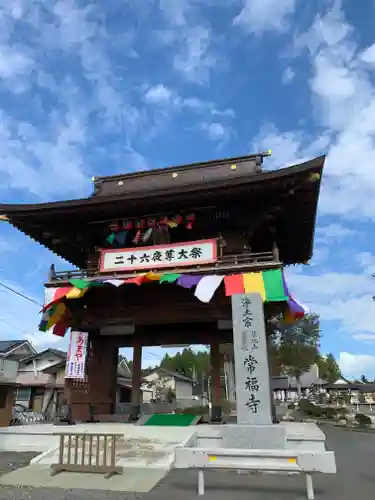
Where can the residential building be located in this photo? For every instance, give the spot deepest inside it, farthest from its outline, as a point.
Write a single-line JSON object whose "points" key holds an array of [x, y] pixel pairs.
{"points": [[166, 381], [16, 350], [39, 386]]}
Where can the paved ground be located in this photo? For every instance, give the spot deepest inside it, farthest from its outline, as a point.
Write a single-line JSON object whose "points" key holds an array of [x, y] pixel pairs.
{"points": [[355, 455]]}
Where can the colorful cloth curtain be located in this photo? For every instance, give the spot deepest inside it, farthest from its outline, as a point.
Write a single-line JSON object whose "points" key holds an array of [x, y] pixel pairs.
{"points": [[270, 284]]}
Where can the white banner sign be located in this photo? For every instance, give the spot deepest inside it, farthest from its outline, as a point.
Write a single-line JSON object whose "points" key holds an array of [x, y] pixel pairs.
{"points": [[190, 253], [76, 359]]}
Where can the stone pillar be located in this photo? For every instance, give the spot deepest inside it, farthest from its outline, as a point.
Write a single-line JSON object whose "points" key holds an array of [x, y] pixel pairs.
{"points": [[215, 381], [253, 393], [136, 380]]}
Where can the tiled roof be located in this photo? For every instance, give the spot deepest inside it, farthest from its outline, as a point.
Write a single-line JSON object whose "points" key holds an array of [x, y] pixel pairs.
{"points": [[174, 374], [7, 345], [56, 352]]}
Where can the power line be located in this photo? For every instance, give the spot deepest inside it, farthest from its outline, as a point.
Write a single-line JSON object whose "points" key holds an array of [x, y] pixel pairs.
{"points": [[15, 326], [20, 294]]}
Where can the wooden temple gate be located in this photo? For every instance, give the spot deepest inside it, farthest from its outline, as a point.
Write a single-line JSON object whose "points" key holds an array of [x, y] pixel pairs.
{"points": [[258, 220]]}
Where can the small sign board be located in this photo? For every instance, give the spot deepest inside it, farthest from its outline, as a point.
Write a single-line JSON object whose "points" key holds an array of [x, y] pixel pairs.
{"points": [[191, 253], [76, 358]]}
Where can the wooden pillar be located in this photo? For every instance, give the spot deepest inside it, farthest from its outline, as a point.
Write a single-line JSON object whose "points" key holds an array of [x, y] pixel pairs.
{"points": [[96, 394], [215, 380], [102, 375], [136, 380]]}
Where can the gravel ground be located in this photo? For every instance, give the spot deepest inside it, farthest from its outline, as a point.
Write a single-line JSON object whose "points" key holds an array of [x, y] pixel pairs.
{"points": [[355, 478]]}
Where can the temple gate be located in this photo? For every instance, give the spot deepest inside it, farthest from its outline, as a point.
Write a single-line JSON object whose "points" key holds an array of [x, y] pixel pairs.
{"points": [[181, 255]]}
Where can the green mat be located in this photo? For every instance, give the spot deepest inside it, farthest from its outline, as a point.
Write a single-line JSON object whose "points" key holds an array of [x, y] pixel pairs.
{"points": [[172, 420]]}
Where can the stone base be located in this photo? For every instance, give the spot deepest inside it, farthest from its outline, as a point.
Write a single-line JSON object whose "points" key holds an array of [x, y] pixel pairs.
{"points": [[287, 435], [259, 437]]}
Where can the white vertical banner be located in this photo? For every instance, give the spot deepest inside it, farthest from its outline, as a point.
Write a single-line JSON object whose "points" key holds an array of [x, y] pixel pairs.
{"points": [[76, 358]]}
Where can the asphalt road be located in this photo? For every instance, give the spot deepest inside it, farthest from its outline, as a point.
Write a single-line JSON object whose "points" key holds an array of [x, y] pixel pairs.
{"points": [[355, 479]]}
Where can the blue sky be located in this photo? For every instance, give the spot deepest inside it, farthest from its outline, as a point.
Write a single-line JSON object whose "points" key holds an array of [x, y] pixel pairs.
{"points": [[99, 88]]}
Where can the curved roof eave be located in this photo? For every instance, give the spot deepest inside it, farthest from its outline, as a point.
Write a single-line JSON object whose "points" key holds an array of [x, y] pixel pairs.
{"points": [[315, 164]]}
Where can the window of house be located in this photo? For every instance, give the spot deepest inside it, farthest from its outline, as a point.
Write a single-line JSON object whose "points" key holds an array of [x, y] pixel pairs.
{"points": [[3, 397], [124, 395], [23, 394]]}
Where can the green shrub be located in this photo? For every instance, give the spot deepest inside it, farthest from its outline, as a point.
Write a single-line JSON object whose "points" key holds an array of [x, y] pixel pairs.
{"points": [[305, 405], [363, 420], [308, 408], [291, 406], [317, 412]]}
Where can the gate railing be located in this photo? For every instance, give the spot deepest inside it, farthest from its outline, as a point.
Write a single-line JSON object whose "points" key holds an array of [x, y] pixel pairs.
{"points": [[83, 452]]}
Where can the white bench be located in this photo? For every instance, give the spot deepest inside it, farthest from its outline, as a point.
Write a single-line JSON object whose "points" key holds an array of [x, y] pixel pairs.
{"points": [[302, 462]]}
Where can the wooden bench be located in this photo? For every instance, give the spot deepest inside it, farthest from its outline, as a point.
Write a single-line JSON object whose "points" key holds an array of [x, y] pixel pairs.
{"points": [[84, 452]]}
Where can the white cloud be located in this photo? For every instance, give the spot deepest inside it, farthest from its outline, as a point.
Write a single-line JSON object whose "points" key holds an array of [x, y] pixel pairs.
{"points": [[367, 261], [286, 147], [343, 95], [43, 162], [13, 63], [159, 94], [176, 12], [335, 232], [354, 365], [166, 102], [342, 297], [258, 16], [365, 337], [44, 153], [195, 59], [368, 55], [288, 75], [320, 256], [216, 131]]}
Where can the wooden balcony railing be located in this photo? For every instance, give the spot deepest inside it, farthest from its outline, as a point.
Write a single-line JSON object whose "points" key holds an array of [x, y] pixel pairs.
{"points": [[226, 263]]}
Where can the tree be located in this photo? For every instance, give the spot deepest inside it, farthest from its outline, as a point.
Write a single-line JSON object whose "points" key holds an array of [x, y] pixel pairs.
{"points": [[192, 364], [297, 346], [329, 369], [364, 380]]}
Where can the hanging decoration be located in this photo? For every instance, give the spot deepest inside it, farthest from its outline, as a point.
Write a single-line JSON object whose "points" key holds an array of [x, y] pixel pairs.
{"points": [[270, 284], [295, 310], [141, 231]]}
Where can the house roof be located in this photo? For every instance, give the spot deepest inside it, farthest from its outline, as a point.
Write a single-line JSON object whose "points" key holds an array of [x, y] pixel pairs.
{"points": [[286, 197], [279, 383], [56, 352], [123, 369], [9, 345], [123, 376], [342, 381], [171, 374], [352, 386], [306, 382], [55, 368]]}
